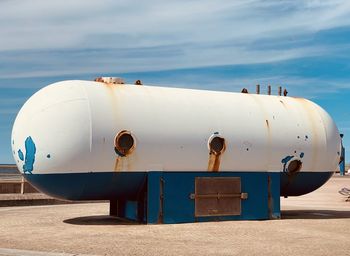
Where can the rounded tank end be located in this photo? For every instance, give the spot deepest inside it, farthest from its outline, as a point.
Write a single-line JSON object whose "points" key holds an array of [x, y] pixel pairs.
{"points": [[52, 130]]}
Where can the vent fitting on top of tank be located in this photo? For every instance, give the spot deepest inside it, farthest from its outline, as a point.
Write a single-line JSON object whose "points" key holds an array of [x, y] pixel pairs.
{"points": [[109, 80], [285, 92]]}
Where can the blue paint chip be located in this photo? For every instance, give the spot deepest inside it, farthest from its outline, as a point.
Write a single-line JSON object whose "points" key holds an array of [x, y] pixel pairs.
{"points": [[285, 160], [301, 154], [48, 156], [30, 155], [216, 133], [20, 155]]}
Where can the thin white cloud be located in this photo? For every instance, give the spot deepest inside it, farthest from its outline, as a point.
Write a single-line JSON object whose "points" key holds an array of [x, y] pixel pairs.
{"points": [[57, 24], [147, 59], [50, 38]]}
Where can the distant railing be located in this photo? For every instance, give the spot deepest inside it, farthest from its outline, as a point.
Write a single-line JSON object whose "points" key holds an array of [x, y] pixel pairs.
{"points": [[15, 186]]}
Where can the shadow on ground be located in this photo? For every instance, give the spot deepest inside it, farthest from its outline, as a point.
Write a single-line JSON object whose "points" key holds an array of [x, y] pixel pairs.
{"points": [[314, 214], [99, 220], [286, 214]]}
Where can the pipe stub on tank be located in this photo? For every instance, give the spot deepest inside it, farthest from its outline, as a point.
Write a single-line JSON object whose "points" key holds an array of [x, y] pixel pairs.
{"points": [[294, 166], [124, 143], [216, 144]]}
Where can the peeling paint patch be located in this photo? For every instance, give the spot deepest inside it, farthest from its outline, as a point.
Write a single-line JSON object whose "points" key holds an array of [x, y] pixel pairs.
{"points": [[301, 154], [20, 155], [30, 155], [285, 160], [48, 156]]}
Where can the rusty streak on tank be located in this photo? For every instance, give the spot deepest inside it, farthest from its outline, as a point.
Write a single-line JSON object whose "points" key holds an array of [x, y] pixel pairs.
{"points": [[214, 162], [124, 145], [217, 146], [116, 164]]}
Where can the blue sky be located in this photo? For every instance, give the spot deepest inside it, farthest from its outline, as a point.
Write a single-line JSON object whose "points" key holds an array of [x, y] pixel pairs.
{"points": [[217, 45]]}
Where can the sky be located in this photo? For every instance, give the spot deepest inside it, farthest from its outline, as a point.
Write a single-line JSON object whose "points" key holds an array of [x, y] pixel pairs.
{"points": [[303, 46]]}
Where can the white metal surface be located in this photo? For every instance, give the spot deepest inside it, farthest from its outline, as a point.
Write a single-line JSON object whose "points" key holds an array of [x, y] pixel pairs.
{"points": [[75, 123]]}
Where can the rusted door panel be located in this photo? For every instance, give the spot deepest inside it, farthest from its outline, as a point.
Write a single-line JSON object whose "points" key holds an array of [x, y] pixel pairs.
{"points": [[217, 196]]}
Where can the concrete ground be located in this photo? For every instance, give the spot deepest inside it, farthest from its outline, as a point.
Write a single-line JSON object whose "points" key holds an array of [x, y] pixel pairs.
{"points": [[314, 224]]}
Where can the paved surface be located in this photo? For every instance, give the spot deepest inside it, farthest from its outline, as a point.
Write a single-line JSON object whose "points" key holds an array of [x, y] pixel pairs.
{"points": [[27, 199], [314, 224]]}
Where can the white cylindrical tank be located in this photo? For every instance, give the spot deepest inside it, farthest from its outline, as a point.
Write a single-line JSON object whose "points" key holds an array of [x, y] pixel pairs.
{"points": [[74, 124], [94, 135]]}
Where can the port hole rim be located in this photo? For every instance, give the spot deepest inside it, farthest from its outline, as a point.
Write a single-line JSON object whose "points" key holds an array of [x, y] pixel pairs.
{"points": [[216, 144], [124, 143], [294, 166]]}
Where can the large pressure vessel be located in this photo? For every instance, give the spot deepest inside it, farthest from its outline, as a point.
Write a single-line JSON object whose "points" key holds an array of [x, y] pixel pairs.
{"points": [[94, 129]]}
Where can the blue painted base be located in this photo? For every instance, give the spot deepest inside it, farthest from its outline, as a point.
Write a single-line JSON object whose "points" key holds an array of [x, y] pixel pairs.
{"points": [[164, 197], [168, 198]]}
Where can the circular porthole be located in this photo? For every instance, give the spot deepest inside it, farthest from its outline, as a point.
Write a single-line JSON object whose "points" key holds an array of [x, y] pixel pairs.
{"points": [[217, 145], [124, 143], [294, 166]]}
